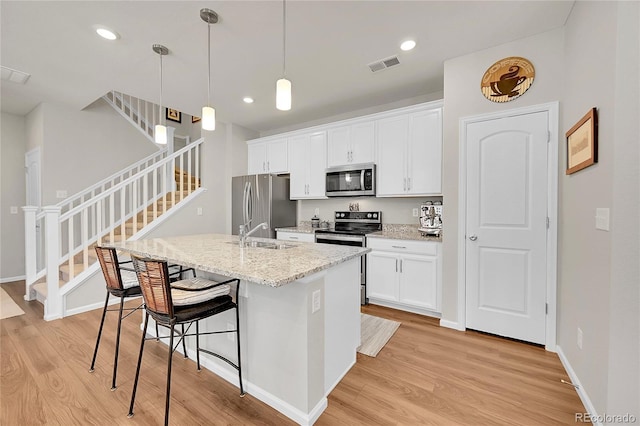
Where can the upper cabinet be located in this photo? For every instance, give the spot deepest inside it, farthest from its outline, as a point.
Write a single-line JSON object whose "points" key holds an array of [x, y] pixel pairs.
{"points": [[268, 157], [351, 144], [308, 159], [410, 154]]}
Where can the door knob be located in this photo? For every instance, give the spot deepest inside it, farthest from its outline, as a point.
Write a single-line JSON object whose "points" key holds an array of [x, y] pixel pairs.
{"points": [[473, 237]]}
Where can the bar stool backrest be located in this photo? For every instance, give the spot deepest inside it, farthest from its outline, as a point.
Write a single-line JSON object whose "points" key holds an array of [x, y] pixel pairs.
{"points": [[153, 276], [108, 259]]}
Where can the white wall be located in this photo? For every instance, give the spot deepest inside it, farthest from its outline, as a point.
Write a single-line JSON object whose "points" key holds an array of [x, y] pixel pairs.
{"points": [[624, 299], [584, 267], [462, 98], [82, 147], [13, 141]]}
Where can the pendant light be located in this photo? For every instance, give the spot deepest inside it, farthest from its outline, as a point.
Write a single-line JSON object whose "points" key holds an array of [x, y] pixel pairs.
{"points": [[283, 86], [160, 131], [208, 113]]}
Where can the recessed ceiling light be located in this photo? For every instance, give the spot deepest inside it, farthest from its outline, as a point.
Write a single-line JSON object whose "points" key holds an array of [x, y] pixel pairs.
{"points": [[107, 33], [408, 45], [247, 100]]}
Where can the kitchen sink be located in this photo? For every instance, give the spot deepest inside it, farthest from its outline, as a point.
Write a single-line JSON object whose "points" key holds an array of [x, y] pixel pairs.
{"points": [[266, 245]]}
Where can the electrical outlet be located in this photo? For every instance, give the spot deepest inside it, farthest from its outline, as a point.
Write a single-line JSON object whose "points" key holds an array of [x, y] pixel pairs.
{"points": [[579, 338], [416, 212], [230, 336], [61, 193], [317, 212], [316, 301], [14, 210], [199, 211]]}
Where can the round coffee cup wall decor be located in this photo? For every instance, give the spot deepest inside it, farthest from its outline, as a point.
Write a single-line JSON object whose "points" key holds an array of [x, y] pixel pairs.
{"points": [[507, 79]]}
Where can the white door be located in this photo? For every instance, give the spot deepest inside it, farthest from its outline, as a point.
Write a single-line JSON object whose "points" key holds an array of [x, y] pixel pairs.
{"points": [[418, 281], [506, 227], [382, 275]]}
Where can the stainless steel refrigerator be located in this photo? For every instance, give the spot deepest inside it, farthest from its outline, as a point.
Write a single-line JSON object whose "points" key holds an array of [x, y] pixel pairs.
{"points": [[262, 198]]}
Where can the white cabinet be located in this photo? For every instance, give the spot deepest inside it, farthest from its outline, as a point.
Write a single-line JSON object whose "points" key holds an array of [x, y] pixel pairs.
{"points": [[308, 161], [296, 236], [404, 274], [268, 156], [351, 144], [410, 154]]}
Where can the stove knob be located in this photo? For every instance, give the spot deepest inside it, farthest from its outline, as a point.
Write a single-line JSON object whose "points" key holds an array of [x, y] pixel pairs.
{"points": [[337, 214], [341, 214], [368, 215], [375, 215]]}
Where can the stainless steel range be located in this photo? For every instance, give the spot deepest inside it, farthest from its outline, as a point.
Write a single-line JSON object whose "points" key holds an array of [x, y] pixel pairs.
{"points": [[350, 230]]}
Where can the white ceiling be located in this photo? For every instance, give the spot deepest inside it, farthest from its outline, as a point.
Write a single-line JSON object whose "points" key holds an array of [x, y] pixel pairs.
{"points": [[329, 44]]}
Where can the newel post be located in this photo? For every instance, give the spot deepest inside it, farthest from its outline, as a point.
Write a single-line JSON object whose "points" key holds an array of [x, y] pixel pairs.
{"points": [[30, 250], [53, 304]]}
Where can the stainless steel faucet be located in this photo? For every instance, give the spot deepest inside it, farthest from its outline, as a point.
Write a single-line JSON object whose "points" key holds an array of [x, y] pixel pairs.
{"points": [[244, 234]]}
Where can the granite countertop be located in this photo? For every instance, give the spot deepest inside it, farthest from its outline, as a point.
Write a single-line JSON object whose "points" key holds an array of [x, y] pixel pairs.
{"points": [[304, 227], [220, 254], [403, 232]]}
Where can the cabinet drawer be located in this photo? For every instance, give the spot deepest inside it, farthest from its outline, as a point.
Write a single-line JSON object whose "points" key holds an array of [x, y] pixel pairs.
{"points": [[296, 236], [404, 246]]}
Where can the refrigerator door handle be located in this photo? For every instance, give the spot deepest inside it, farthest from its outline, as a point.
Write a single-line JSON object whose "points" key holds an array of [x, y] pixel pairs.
{"points": [[249, 205], [245, 203]]}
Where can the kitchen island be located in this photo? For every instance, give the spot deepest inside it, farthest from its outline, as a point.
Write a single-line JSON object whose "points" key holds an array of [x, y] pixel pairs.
{"points": [[299, 314]]}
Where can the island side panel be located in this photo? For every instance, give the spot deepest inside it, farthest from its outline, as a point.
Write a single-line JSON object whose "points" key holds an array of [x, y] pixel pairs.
{"points": [[342, 321], [285, 343]]}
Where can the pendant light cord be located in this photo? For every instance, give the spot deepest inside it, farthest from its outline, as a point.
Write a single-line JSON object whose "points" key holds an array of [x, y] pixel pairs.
{"points": [[284, 37], [161, 114], [209, 64]]}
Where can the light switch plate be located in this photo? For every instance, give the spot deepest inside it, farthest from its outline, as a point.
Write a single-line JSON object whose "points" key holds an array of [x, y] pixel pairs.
{"points": [[14, 209], [602, 219], [199, 211], [416, 212]]}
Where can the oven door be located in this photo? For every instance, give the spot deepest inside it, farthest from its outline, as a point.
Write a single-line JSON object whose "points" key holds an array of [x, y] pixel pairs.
{"points": [[355, 241]]}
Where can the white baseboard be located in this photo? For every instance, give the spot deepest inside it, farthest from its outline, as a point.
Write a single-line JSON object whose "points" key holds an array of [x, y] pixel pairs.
{"points": [[403, 307], [12, 279], [93, 306], [582, 393], [451, 324], [330, 389]]}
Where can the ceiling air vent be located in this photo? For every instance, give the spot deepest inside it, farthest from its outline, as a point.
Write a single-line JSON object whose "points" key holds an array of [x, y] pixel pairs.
{"points": [[384, 63], [9, 74]]}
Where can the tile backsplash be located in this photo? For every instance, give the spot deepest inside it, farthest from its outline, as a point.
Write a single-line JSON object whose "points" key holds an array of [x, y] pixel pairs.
{"points": [[394, 210]]}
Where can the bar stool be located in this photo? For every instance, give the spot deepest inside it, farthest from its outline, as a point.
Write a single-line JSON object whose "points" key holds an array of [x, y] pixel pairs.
{"points": [[122, 283], [179, 303]]}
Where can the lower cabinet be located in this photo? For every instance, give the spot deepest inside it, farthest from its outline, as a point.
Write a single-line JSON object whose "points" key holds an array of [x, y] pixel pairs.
{"points": [[296, 236], [404, 274]]}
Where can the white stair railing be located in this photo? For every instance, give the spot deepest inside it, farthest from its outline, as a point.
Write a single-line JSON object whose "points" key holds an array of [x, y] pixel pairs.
{"points": [[144, 115], [69, 235]]}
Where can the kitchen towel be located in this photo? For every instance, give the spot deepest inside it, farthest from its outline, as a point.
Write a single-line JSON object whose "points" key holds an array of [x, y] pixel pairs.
{"points": [[375, 332]]}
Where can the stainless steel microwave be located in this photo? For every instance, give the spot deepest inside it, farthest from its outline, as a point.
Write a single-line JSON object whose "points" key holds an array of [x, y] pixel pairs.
{"points": [[353, 180]]}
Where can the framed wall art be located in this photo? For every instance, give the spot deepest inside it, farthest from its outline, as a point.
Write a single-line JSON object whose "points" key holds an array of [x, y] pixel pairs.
{"points": [[582, 143], [174, 115], [195, 119]]}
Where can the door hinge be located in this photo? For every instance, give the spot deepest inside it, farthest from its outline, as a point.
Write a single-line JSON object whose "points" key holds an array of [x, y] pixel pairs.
{"points": [[547, 222]]}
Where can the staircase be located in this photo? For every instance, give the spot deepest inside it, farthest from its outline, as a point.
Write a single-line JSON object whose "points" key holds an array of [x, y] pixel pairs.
{"points": [[60, 240]]}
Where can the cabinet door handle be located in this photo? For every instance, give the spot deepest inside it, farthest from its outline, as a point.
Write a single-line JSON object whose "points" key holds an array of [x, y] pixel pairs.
{"points": [[293, 238], [396, 265], [404, 185], [264, 166], [400, 265], [408, 184], [399, 247], [268, 167]]}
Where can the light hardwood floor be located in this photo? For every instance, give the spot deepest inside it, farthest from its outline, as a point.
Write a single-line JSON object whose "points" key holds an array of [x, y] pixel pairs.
{"points": [[424, 375]]}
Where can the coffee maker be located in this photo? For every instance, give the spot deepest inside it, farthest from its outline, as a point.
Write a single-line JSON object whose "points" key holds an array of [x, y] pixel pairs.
{"points": [[431, 218]]}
